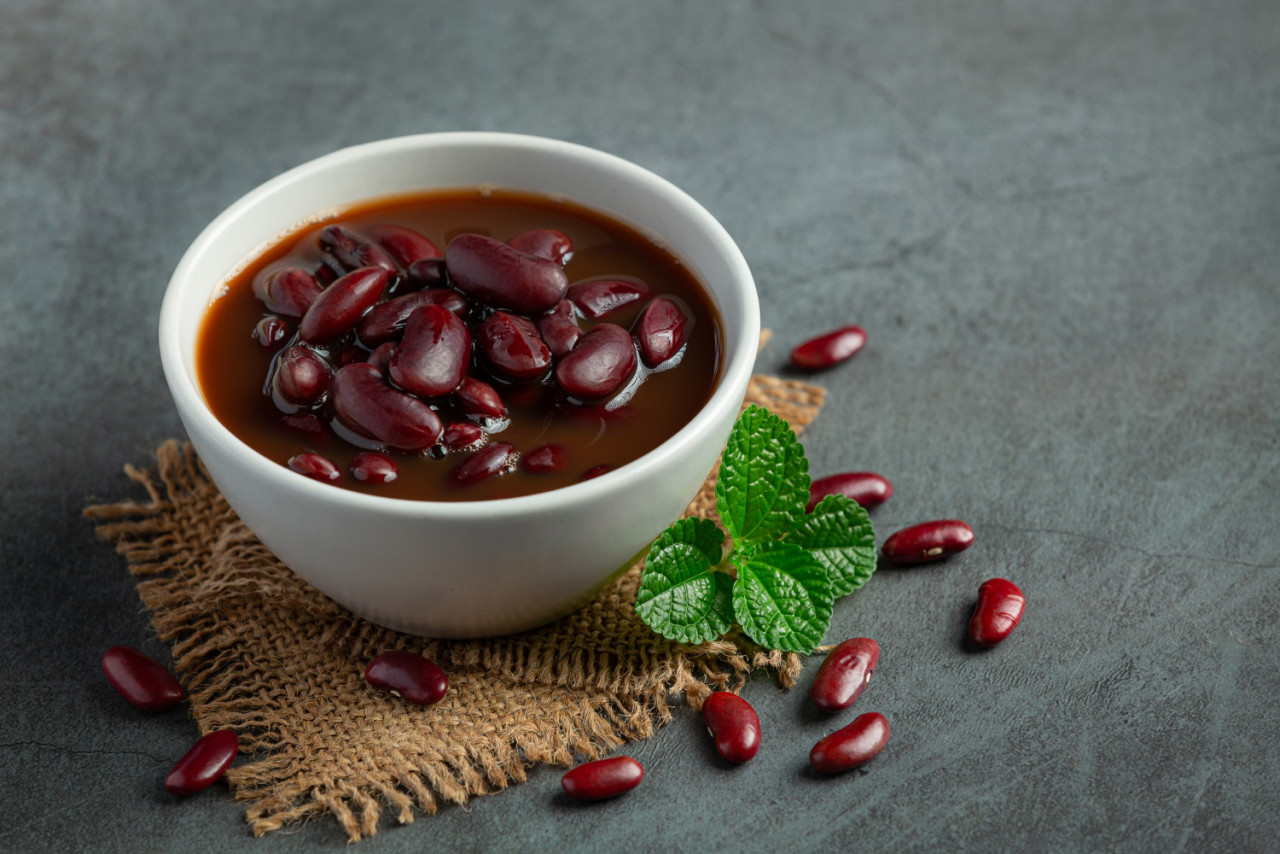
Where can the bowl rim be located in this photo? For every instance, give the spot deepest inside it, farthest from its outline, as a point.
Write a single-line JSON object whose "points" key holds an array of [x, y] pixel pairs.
{"points": [[737, 367]]}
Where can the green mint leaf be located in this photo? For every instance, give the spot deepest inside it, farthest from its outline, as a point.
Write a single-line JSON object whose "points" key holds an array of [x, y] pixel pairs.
{"points": [[682, 597], [764, 477], [838, 534], [782, 598]]}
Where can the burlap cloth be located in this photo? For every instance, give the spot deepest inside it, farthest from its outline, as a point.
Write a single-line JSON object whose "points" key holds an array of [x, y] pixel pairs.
{"points": [[262, 652]]}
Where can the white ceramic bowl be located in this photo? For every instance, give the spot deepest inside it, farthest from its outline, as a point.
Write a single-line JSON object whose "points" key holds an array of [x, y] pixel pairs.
{"points": [[466, 569]]}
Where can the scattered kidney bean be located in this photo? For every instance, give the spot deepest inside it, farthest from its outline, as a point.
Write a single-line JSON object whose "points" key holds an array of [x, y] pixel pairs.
{"points": [[544, 459], [301, 376], [596, 471], [493, 460], [408, 675], [512, 346], [353, 251], [477, 399], [270, 330], [404, 245], [339, 307], [601, 363], [433, 356], [545, 243], [141, 680], [866, 488], [386, 321], [365, 404], [998, 612], [829, 349], [661, 331], [559, 329], [734, 725], [844, 674], [370, 467], [288, 291], [204, 763], [602, 779], [596, 298], [494, 273], [928, 541], [315, 466], [854, 745]]}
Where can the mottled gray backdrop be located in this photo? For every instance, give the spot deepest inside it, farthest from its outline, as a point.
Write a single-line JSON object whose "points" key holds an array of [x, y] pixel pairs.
{"points": [[1058, 222]]}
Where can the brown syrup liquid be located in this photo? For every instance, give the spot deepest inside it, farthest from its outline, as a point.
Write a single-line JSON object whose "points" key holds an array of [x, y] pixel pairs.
{"points": [[233, 367]]}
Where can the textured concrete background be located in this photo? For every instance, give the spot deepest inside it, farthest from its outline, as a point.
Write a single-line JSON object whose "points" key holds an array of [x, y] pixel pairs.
{"points": [[1059, 223]]}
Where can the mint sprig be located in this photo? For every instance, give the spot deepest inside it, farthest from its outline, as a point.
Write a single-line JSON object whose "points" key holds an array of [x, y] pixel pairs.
{"points": [[681, 589], [839, 536], [764, 477], [784, 569]]}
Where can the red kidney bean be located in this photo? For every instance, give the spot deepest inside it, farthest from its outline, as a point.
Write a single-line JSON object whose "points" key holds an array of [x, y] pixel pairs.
{"points": [[492, 460], [354, 251], [374, 468], [844, 674], [597, 297], [998, 612], [477, 399], [408, 675], [545, 243], [602, 779], [380, 358], [829, 349], [427, 273], [854, 745], [288, 291], [306, 423], [270, 331], [928, 541], [301, 376], [404, 244], [340, 306], [386, 321], [512, 346], [460, 435], [433, 357], [204, 763], [141, 680], [315, 466], [734, 725], [328, 270], [365, 404], [596, 471], [662, 330], [559, 329], [350, 352], [866, 488], [494, 273], [601, 363], [547, 458]]}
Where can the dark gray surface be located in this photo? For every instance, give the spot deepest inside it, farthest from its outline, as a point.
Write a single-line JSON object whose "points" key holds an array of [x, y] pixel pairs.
{"points": [[1059, 223]]}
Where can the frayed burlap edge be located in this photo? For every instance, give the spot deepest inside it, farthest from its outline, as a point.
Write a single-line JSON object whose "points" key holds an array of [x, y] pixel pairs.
{"points": [[261, 652]]}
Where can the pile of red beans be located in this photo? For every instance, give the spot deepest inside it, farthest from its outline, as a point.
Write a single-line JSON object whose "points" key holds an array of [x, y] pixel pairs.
{"points": [[383, 335]]}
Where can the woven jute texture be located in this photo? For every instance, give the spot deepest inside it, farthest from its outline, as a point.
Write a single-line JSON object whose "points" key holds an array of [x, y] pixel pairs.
{"points": [[262, 652]]}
